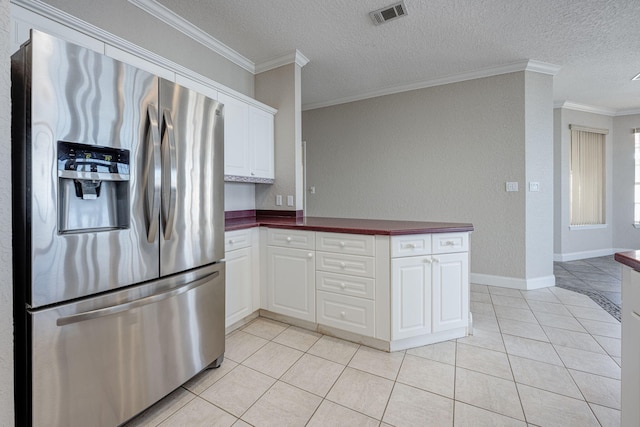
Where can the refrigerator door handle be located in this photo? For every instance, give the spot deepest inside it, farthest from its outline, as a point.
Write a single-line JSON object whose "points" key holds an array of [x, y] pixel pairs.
{"points": [[152, 171], [115, 309], [169, 174]]}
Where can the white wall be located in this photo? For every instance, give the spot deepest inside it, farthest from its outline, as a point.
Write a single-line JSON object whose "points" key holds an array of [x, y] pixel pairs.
{"points": [[625, 236], [437, 154], [580, 243], [6, 286]]}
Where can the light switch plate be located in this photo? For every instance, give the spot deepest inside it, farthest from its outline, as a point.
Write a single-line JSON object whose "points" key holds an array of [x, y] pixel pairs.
{"points": [[512, 186], [534, 186]]}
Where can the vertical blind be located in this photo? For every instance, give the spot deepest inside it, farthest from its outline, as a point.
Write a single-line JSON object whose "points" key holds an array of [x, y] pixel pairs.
{"points": [[587, 176]]}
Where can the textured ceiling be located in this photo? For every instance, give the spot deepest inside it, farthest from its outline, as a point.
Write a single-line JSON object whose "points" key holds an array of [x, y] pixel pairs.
{"points": [[595, 42]]}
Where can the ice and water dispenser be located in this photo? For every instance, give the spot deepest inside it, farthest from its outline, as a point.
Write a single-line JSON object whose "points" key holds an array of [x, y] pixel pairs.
{"points": [[93, 188]]}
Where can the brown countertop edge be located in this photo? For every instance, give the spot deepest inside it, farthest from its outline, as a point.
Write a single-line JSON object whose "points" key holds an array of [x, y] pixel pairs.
{"points": [[630, 259], [347, 225]]}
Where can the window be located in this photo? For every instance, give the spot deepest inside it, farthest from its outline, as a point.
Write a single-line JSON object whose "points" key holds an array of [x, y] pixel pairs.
{"points": [[636, 212], [587, 176]]}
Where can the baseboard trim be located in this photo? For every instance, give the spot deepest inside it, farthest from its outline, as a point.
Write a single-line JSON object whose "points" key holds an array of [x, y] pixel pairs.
{"points": [[513, 282], [575, 256]]}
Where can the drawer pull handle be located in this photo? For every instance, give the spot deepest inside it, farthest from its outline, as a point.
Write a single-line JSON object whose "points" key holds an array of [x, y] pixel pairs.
{"points": [[411, 245], [436, 259], [449, 243], [342, 244], [310, 255], [288, 239], [343, 314], [428, 260]]}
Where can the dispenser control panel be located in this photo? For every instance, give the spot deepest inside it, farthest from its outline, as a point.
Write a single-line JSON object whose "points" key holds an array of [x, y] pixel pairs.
{"points": [[92, 158]]}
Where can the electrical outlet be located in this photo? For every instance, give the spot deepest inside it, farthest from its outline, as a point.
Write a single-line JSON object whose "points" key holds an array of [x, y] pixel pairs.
{"points": [[289, 200], [278, 200], [534, 186], [512, 186], [312, 190]]}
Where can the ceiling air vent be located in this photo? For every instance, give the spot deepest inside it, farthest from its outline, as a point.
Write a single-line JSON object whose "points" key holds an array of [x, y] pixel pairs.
{"points": [[388, 13]]}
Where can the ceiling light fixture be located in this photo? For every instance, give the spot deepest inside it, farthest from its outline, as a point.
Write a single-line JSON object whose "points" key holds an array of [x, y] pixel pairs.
{"points": [[396, 10]]}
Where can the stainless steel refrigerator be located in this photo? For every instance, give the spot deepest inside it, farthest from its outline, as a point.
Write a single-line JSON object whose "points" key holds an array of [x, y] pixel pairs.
{"points": [[118, 235]]}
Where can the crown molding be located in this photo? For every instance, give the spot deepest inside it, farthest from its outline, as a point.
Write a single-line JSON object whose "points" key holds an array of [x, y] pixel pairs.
{"points": [[628, 112], [568, 105], [295, 57], [526, 65], [170, 18]]}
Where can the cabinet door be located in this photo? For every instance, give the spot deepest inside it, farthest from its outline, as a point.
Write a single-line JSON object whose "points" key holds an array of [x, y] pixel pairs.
{"points": [[410, 297], [291, 282], [450, 291], [236, 136], [239, 282], [261, 143]]}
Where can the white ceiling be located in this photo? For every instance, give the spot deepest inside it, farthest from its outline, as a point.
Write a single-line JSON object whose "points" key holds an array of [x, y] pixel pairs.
{"points": [[596, 43]]}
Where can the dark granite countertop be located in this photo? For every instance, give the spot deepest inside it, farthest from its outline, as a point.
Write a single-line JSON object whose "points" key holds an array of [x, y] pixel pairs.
{"points": [[630, 259], [347, 225]]}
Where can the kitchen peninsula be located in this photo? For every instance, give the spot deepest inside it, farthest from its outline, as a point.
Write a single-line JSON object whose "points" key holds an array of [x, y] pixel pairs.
{"points": [[388, 284], [630, 405]]}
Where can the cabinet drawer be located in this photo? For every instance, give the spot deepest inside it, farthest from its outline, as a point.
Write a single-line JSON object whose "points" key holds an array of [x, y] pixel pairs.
{"points": [[345, 312], [345, 264], [291, 238], [362, 287], [354, 244], [450, 242], [237, 239], [410, 245]]}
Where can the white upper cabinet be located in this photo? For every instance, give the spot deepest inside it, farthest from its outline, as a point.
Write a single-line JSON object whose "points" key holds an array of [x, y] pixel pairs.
{"points": [[261, 143], [248, 141]]}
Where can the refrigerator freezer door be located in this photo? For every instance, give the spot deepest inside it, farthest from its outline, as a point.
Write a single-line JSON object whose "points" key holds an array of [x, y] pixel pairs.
{"points": [[192, 217], [101, 361], [71, 94]]}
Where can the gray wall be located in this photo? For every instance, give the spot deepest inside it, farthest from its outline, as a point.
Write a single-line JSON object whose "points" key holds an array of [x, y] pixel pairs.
{"points": [[6, 298], [439, 154], [125, 20], [625, 236]]}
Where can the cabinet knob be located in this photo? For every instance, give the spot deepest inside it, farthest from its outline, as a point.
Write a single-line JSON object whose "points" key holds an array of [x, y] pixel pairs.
{"points": [[230, 241], [253, 173], [342, 244], [288, 239], [343, 286], [428, 260], [343, 265], [343, 314], [310, 255], [435, 259]]}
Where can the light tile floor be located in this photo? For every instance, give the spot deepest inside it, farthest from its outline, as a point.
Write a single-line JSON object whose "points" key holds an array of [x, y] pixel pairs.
{"points": [[548, 357]]}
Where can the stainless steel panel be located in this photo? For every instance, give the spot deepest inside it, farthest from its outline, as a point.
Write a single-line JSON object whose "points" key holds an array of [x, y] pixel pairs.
{"points": [[101, 361], [77, 95], [194, 236]]}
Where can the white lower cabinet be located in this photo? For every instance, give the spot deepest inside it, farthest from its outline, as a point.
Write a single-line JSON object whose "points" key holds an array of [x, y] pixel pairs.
{"points": [[242, 291], [344, 312], [450, 290], [430, 293], [291, 282], [410, 297], [406, 291]]}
